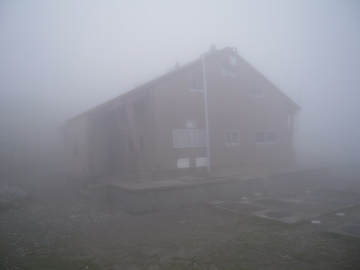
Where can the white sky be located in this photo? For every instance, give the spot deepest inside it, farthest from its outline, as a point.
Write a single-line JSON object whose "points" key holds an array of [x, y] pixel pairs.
{"points": [[59, 58]]}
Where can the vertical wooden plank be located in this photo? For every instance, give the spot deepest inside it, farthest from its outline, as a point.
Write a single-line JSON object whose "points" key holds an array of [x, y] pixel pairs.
{"points": [[135, 136]]}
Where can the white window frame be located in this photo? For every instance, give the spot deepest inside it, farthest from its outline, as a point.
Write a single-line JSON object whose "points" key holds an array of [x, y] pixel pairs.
{"points": [[269, 137], [257, 91], [189, 138], [232, 137], [196, 85]]}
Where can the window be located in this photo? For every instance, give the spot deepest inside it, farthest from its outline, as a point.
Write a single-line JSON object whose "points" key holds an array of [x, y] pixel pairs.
{"points": [[183, 163], [232, 61], [187, 138], [257, 91], [232, 137], [201, 162], [190, 124], [196, 85], [230, 71], [268, 137]]}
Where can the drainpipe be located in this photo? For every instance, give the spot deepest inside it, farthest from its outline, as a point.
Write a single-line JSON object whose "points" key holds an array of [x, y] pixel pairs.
{"points": [[202, 57]]}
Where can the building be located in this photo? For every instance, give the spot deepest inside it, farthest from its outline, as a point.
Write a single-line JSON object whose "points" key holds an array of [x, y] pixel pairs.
{"points": [[160, 128]]}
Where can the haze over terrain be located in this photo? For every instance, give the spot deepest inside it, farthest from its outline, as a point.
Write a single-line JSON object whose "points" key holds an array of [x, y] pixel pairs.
{"points": [[60, 58]]}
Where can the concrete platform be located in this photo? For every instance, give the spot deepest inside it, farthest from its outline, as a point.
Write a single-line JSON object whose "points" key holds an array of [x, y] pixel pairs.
{"points": [[216, 176], [347, 229], [295, 208], [232, 184]]}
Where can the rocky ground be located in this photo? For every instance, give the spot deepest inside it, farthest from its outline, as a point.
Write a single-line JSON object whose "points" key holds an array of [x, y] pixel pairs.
{"points": [[53, 227]]}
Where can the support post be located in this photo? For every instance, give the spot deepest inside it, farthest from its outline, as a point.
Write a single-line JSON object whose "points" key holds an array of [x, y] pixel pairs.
{"points": [[135, 136]]}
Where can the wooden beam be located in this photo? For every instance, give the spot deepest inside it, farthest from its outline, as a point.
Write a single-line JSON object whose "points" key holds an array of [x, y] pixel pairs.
{"points": [[135, 136]]}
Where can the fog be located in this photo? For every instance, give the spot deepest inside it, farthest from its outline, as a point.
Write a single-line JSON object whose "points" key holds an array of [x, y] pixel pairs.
{"points": [[60, 58]]}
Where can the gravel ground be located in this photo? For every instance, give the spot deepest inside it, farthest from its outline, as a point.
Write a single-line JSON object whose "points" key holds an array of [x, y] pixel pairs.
{"points": [[56, 228]]}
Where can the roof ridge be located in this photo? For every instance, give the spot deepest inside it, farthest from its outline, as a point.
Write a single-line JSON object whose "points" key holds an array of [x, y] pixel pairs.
{"points": [[162, 77]]}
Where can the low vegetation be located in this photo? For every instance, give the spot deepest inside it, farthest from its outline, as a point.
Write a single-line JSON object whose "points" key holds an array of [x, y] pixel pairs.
{"points": [[59, 230]]}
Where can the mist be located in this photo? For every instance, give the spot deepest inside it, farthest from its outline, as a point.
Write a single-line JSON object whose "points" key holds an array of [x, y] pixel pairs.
{"points": [[59, 59]]}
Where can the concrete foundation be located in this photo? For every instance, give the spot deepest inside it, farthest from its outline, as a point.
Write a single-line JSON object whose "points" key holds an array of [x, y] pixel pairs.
{"points": [[151, 196]]}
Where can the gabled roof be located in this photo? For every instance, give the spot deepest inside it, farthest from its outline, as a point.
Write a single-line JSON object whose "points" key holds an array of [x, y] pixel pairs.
{"points": [[213, 53]]}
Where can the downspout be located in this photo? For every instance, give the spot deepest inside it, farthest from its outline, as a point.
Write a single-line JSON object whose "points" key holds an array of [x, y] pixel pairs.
{"points": [[206, 110]]}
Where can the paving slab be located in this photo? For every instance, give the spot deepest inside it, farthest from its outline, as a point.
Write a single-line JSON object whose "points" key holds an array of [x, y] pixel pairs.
{"points": [[347, 229], [273, 202], [291, 209], [242, 207]]}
